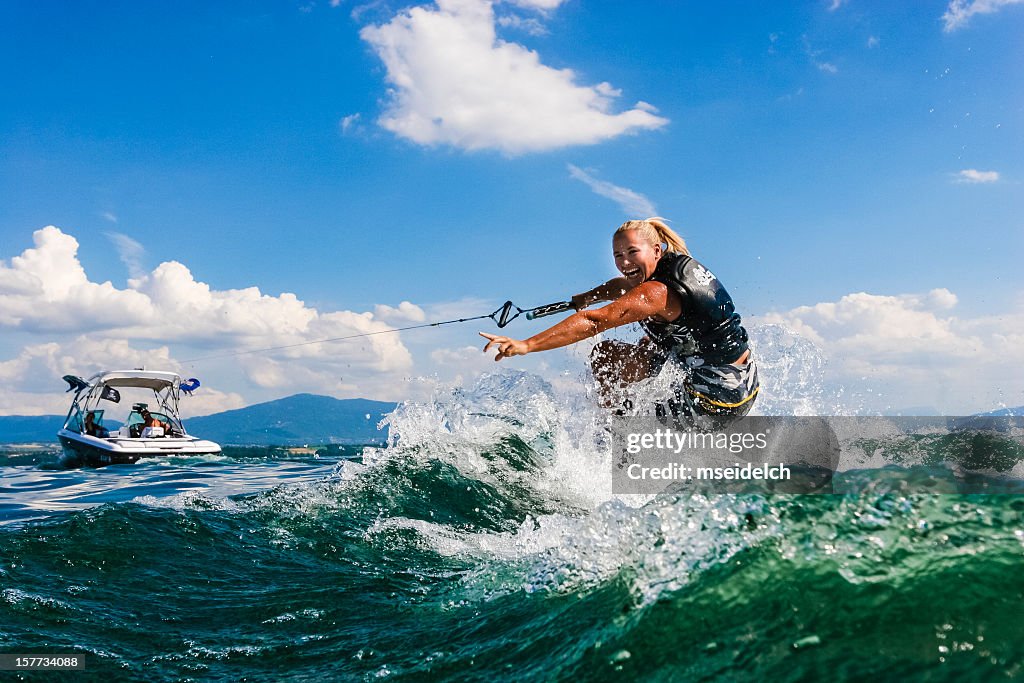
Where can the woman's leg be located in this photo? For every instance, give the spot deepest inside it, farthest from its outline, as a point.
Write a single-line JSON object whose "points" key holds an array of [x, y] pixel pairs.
{"points": [[616, 365]]}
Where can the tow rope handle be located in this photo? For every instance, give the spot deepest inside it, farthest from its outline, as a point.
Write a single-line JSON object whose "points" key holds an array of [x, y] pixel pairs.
{"points": [[549, 309], [504, 315]]}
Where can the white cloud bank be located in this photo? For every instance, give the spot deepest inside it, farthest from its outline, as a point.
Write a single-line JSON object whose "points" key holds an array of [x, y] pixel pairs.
{"points": [[959, 12], [633, 204], [33, 377], [91, 326], [974, 176], [455, 83], [914, 351]]}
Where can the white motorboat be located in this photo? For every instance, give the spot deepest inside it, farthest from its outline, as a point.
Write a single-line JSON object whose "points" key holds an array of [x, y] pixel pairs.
{"points": [[152, 427]]}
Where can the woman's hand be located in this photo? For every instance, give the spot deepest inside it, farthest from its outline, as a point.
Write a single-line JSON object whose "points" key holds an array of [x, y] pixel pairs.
{"points": [[507, 347], [581, 301]]}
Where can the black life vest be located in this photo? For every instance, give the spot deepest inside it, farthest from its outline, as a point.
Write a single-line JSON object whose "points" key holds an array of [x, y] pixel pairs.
{"points": [[708, 318]]}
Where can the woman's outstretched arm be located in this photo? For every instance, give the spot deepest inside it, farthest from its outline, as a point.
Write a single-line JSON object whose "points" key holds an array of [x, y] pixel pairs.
{"points": [[644, 301], [609, 291]]}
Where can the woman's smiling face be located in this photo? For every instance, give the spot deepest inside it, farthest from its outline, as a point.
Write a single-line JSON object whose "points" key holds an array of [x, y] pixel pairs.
{"points": [[635, 257]]}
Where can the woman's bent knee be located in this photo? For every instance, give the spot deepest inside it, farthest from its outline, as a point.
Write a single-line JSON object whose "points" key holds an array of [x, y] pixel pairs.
{"points": [[606, 350]]}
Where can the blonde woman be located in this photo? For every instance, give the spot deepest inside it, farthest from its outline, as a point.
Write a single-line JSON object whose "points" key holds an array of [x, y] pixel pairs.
{"points": [[687, 314]]}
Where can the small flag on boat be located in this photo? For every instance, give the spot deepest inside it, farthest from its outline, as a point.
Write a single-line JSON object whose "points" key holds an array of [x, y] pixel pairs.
{"points": [[111, 394]]}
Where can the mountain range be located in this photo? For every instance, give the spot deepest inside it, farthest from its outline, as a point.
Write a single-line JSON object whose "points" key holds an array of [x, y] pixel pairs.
{"points": [[302, 419], [299, 420]]}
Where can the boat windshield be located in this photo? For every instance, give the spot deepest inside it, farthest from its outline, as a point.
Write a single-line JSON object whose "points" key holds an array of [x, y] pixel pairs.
{"points": [[135, 418], [88, 422]]}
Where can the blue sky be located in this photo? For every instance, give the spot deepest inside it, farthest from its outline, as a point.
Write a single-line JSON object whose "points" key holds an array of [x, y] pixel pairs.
{"points": [[849, 169]]}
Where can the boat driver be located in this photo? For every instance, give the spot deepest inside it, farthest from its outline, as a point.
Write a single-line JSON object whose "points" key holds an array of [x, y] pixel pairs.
{"points": [[149, 420]]}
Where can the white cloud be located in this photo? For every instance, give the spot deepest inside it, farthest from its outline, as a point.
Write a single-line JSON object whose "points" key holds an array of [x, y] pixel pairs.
{"points": [[107, 215], [916, 346], [34, 362], [46, 291], [914, 350], [873, 323], [632, 203], [167, 319], [974, 176], [528, 24], [460, 363], [406, 313], [959, 12], [538, 4], [814, 55], [349, 122], [873, 42], [465, 362], [131, 252], [35, 387], [455, 83], [359, 10], [836, 4]]}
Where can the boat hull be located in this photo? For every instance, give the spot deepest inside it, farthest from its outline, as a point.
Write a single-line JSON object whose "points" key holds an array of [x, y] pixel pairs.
{"points": [[93, 451]]}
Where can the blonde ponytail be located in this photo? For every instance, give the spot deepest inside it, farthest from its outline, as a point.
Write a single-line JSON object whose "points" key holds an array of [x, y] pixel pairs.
{"points": [[656, 231]]}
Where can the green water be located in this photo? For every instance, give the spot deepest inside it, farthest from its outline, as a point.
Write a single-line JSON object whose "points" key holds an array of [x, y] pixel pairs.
{"points": [[483, 549]]}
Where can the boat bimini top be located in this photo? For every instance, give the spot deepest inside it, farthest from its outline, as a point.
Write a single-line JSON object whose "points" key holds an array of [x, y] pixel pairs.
{"points": [[167, 388]]}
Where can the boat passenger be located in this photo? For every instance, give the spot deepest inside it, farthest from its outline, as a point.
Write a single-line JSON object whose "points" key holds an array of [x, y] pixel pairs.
{"points": [[93, 428], [688, 316]]}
